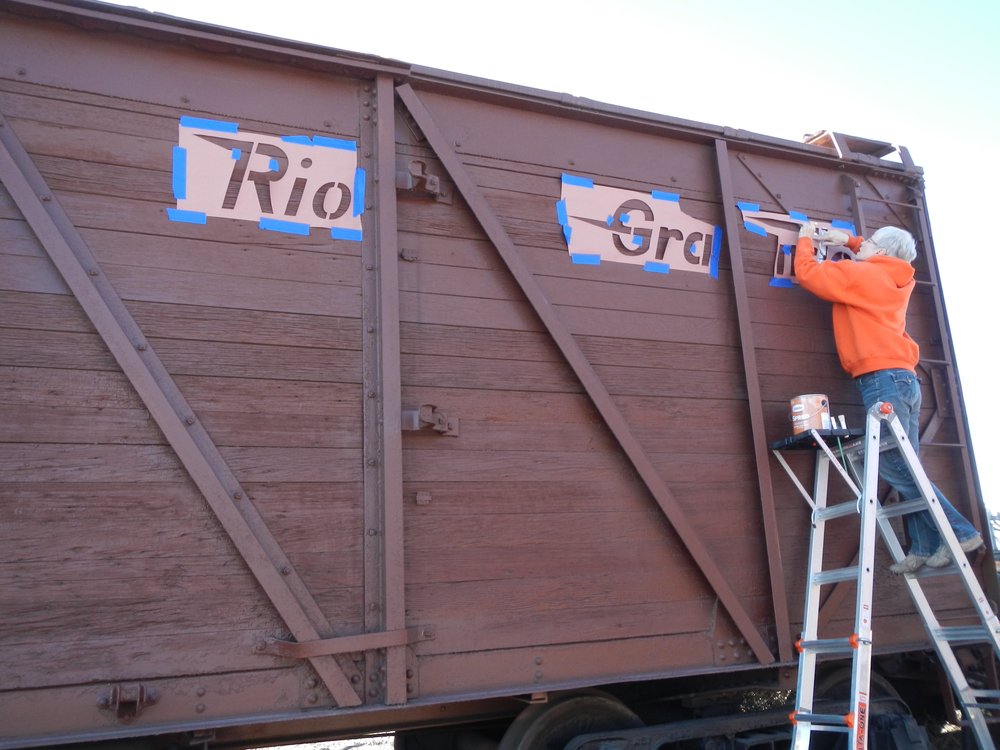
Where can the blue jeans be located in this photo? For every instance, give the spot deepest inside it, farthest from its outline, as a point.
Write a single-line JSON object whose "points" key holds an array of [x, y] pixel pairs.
{"points": [[902, 389]]}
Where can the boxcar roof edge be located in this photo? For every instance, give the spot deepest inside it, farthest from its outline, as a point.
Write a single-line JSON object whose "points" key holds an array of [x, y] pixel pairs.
{"points": [[95, 14]]}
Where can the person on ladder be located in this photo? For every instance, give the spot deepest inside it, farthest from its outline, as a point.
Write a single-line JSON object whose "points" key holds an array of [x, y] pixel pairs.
{"points": [[870, 297]]}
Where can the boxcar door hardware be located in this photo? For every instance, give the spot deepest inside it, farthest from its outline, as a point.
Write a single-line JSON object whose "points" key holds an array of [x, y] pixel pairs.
{"points": [[412, 177], [428, 416], [127, 701]]}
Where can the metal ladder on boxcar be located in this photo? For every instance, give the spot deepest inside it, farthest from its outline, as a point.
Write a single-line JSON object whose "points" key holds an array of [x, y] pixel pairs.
{"points": [[874, 517]]}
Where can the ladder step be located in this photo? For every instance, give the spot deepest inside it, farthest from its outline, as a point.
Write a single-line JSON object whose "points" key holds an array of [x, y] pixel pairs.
{"points": [[981, 706], [963, 634], [837, 511], [986, 693], [925, 572], [987, 706], [902, 509], [836, 575], [822, 722], [828, 645]]}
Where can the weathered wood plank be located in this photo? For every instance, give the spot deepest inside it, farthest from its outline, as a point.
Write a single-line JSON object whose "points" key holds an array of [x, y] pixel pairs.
{"points": [[41, 462], [136, 657], [26, 348], [309, 518], [152, 610], [314, 99], [478, 632], [27, 274], [426, 465], [622, 493], [100, 425], [516, 668], [162, 320], [34, 100], [96, 389]]}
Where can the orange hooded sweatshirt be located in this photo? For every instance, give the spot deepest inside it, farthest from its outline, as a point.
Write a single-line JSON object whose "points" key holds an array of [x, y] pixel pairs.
{"points": [[869, 306]]}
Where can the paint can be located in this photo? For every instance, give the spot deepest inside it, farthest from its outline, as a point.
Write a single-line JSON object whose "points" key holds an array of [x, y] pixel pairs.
{"points": [[810, 412]]}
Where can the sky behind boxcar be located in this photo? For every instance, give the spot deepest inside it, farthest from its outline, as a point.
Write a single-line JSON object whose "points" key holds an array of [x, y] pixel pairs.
{"points": [[918, 73]]}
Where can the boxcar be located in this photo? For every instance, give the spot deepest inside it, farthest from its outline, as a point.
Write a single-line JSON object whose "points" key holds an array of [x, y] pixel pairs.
{"points": [[342, 395]]}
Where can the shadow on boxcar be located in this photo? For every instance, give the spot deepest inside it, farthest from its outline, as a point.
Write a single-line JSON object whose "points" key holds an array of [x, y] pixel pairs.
{"points": [[693, 717]]}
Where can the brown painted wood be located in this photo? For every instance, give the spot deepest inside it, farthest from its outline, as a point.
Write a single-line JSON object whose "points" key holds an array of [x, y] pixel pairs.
{"points": [[582, 369], [82, 274], [556, 569]]}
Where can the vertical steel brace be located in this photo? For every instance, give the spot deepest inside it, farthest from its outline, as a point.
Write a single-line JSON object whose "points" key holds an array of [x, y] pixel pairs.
{"points": [[779, 596], [391, 388]]}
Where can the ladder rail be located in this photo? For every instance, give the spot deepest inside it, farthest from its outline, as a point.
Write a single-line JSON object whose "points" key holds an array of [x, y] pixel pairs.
{"points": [[805, 687], [969, 581], [859, 645]]}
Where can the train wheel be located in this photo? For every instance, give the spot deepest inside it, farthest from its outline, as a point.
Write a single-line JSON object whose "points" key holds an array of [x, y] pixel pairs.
{"points": [[886, 706], [549, 726]]}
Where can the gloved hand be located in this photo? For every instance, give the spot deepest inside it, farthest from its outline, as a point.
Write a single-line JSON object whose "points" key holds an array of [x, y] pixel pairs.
{"points": [[808, 229], [833, 237]]}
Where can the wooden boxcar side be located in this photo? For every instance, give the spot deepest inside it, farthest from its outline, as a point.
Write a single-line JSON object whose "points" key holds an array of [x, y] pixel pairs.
{"points": [[277, 483]]}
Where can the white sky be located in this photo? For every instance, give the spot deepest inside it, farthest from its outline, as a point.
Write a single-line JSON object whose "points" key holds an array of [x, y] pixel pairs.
{"points": [[919, 73]]}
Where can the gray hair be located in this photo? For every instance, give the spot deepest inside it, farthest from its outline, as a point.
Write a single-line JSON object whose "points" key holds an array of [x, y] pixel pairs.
{"points": [[896, 241]]}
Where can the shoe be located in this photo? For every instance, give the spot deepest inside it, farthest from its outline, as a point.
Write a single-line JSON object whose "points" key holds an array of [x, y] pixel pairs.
{"points": [[942, 556], [972, 543], [940, 559], [909, 564]]}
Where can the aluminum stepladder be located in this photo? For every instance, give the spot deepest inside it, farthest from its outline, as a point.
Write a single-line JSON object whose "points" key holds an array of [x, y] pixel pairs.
{"points": [[873, 517]]}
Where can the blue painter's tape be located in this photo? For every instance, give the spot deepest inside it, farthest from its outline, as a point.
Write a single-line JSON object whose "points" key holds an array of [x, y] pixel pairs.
{"points": [[713, 264], [610, 220], [841, 224], [289, 227], [781, 283], [561, 212], [236, 154], [660, 195], [586, 259], [354, 235], [360, 180], [567, 232], [188, 217], [656, 267], [786, 249], [798, 216], [755, 228], [637, 240], [180, 173], [273, 165], [572, 179], [744, 206], [302, 140], [625, 218], [322, 140], [203, 124]]}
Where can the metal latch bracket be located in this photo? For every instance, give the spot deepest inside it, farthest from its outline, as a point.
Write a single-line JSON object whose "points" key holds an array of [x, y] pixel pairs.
{"points": [[127, 701], [428, 416]]}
